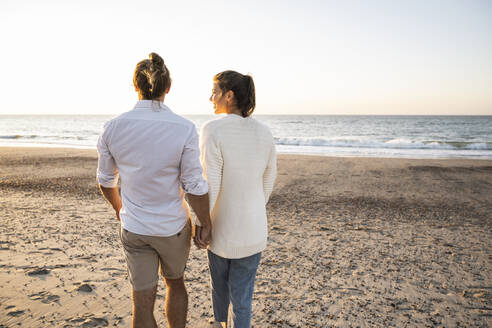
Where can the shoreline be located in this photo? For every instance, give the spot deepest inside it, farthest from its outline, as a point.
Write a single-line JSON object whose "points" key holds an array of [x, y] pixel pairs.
{"points": [[370, 242], [337, 155]]}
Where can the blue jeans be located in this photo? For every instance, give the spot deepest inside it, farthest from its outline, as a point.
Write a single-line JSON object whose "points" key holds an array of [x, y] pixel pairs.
{"points": [[233, 281]]}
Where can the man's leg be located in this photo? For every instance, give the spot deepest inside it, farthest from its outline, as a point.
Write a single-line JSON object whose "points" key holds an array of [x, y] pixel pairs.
{"points": [[219, 274], [143, 308], [173, 255], [176, 303], [241, 283], [142, 261]]}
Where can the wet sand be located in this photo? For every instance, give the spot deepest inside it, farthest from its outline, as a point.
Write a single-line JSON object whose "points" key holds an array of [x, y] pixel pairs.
{"points": [[353, 242]]}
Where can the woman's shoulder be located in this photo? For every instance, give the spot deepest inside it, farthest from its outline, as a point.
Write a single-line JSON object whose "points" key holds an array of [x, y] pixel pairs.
{"points": [[262, 127], [212, 125]]}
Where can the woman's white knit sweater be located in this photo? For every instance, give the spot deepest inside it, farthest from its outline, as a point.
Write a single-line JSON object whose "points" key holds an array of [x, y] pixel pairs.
{"points": [[240, 164]]}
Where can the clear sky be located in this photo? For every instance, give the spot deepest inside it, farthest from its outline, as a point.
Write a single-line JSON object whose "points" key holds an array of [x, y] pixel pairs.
{"points": [[306, 56]]}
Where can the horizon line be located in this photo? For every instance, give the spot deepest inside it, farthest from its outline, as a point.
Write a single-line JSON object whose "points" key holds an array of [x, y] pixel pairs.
{"points": [[188, 114]]}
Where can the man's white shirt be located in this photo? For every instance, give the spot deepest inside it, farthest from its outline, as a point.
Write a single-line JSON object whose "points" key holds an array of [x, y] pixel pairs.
{"points": [[156, 154]]}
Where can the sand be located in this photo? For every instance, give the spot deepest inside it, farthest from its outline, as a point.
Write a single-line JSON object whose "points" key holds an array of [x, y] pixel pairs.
{"points": [[353, 242]]}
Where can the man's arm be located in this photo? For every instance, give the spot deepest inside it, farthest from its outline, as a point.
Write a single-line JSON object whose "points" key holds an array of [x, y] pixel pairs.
{"points": [[113, 197], [200, 206], [196, 188], [107, 172]]}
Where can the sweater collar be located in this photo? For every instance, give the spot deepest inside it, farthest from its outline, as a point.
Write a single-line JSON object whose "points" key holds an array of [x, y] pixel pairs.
{"points": [[236, 116]]}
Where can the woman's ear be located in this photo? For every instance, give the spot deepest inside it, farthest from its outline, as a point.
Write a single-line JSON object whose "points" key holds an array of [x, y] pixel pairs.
{"points": [[229, 96]]}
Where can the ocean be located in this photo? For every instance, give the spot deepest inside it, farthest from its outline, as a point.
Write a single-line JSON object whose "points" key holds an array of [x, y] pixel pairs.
{"points": [[329, 135]]}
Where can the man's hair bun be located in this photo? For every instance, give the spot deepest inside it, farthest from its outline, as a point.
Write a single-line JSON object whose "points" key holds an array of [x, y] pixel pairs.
{"points": [[156, 60], [151, 77]]}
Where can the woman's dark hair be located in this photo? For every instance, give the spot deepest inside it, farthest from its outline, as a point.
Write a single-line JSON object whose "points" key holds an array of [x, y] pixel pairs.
{"points": [[243, 88], [151, 77]]}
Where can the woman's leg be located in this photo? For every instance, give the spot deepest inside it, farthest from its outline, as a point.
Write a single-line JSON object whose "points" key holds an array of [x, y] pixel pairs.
{"points": [[242, 275], [219, 273]]}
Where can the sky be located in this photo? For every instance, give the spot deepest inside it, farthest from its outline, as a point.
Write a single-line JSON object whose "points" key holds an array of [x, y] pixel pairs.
{"points": [[367, 57]]}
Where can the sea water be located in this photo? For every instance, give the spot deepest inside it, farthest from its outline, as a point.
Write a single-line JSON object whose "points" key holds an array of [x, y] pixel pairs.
{"points": [[332, 135]]}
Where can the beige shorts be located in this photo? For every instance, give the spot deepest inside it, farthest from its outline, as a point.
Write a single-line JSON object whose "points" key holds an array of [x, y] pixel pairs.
{"points": [[144, 254]]}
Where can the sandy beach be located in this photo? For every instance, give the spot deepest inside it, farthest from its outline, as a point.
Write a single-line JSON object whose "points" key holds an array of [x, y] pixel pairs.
{"points": [[354, 242]]}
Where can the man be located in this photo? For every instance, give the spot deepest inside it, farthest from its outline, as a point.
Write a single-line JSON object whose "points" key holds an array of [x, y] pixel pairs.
{"points": [[156, 154]]}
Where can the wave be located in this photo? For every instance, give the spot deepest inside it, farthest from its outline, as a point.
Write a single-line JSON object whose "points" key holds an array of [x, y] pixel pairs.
{"points": [[334, 142], [391, 144], [17, 136]]}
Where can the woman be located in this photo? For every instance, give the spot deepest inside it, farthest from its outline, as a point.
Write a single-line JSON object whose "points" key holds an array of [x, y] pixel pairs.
{"points": [[239, 160]]}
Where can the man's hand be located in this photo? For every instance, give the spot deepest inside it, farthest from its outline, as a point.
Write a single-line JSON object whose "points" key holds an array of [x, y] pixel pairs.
{"points": [[201, 209], [202, 236], [113, 197]]}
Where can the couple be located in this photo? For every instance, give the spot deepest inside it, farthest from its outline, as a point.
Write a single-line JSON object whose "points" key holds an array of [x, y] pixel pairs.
{"points": [[160, 160]]}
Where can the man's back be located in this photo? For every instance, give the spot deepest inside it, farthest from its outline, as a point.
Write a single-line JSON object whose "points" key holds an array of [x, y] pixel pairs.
{"points": [[154, 151]]}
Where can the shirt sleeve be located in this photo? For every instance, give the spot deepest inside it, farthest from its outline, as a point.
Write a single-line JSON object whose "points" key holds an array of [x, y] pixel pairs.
{"points": [[270, 174], [191, 177], [107, 171], [212, 161]]}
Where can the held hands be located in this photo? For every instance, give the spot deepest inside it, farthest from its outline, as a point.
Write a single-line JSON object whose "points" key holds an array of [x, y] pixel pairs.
{"points": [[202, 236]]}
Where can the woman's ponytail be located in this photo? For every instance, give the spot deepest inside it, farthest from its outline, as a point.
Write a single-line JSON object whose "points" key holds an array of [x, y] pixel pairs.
{"points": [[250, 96]]}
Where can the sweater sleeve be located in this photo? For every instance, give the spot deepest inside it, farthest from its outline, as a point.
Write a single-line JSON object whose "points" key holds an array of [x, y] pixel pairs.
{"points": [[270, 174], [212, 162]]}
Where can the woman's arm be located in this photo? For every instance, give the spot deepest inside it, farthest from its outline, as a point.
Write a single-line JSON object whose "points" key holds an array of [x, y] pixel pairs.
{"points": [[270, 174], [212, 162]]}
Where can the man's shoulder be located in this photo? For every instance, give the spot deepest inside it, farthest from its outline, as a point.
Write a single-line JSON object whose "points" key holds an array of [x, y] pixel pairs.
{"points": [[167, 116], [119, 117], [113, 120], [172, 117]]}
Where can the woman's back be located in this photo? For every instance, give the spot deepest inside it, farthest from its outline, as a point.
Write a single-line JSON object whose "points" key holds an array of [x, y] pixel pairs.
{"points": [[238, 155]]}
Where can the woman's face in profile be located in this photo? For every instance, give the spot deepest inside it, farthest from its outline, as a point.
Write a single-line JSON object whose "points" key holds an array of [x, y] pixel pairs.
{"points": [[218, 99]]}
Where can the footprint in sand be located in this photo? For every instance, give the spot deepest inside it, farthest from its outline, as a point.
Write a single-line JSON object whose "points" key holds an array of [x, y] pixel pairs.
{"points": [[45, 297], [16, 313], [89, 320], [84, 288], [115, 271], [38, 272]]}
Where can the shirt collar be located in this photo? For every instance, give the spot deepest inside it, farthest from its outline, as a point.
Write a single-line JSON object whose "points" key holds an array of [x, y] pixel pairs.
{"points": [[151, 104]]}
